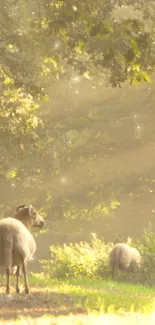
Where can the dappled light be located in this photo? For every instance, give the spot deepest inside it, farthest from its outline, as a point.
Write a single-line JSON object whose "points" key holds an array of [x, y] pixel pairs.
{"points": [[77, 141]]}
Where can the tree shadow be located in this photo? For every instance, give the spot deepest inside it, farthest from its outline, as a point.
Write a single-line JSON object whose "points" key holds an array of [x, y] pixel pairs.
{"points": [[39, 303]]}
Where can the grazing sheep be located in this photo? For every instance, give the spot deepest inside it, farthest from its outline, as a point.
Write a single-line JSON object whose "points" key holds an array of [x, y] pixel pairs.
{"points": [[122, 256], [17, 244]]}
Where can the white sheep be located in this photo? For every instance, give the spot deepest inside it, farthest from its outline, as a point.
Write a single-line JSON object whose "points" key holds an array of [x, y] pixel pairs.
{"points": [[17, 244], [122, 256]]}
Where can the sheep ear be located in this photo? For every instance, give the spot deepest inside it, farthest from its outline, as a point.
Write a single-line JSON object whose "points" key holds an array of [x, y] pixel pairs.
{"points": [[31, 211], [20, 207], [25, 209]]}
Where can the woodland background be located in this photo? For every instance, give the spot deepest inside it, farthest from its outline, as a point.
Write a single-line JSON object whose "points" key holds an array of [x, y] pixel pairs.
{"points": [[77, 131]]}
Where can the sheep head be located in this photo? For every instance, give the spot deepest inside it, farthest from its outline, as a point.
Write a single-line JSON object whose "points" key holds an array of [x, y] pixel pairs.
{"points": [[29, 216]]}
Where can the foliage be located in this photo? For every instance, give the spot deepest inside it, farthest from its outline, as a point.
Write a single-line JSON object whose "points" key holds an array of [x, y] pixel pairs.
{"points": [[17, 118], [147, 248], [87, 36]]}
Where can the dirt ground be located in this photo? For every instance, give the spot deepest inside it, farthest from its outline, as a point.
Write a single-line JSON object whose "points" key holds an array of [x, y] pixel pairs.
{"points": [[43, 306]]}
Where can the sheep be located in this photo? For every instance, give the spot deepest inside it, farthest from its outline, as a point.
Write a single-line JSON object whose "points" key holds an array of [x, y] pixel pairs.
{"points": [[123, 256], [17, 244]]}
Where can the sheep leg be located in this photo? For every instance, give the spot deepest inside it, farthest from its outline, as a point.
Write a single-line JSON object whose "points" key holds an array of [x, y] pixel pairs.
{"points": [[8, 280], [17, 276], [25, 277], [113, 272]]}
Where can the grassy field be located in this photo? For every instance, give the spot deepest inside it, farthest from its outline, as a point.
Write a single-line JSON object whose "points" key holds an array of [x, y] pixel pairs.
{"points": [[78, 302]]}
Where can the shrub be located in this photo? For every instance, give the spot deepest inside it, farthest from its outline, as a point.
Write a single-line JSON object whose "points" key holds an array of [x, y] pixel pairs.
{"points": [[79, 260], [146, 246]]}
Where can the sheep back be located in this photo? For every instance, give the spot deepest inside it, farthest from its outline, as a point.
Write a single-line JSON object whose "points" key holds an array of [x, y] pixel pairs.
{"points": [[122, 255], [16, 242]]}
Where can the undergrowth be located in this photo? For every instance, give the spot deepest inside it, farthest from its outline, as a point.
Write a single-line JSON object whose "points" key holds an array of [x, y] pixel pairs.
{"points": [[90, 260]]}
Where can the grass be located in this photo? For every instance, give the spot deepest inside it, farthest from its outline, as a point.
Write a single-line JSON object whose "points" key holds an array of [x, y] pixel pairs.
{"points": [[78, 302], [106, 296]]}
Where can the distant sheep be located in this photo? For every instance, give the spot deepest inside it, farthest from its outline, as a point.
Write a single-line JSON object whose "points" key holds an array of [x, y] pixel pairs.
{"points": [[122, 256], [17, 244]]}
